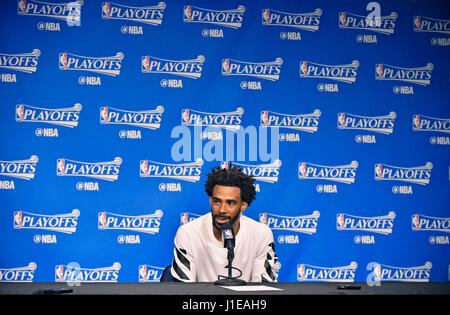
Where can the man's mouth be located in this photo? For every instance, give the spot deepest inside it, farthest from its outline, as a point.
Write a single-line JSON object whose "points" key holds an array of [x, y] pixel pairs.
{"points": [[222, 220]]}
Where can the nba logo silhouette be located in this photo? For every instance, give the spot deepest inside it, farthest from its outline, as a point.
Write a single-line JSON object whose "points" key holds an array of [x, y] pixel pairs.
{"points": [[228, 234]]}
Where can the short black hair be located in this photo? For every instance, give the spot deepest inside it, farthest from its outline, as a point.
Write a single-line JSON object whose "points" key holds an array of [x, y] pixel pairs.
{"points": [[233, 176]]}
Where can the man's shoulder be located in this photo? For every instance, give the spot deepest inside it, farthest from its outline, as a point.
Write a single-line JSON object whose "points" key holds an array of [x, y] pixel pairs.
{"points": [[255, 226]]}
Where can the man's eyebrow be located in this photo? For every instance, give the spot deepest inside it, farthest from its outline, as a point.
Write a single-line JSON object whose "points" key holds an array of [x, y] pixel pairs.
{"points": [[227, 200]]}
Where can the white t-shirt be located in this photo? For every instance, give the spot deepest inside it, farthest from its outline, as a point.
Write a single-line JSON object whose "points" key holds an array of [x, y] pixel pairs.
{"points": [[200, 257]]}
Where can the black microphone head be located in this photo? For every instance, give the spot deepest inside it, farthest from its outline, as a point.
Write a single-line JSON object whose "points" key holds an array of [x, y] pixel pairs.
{"points": [[227, 226], [227, 231], [228, 235]]}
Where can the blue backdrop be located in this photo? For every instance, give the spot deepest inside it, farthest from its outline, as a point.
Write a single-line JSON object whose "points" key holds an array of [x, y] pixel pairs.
{"points": [[99, 102]]}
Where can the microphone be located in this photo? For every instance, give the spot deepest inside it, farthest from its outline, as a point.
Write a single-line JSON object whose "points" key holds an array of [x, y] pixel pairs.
{"points": [[228, 238], [229, 242]]}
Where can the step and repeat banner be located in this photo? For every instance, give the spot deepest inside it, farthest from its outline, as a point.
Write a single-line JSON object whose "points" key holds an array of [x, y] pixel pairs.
{"points": [[112, 114]]}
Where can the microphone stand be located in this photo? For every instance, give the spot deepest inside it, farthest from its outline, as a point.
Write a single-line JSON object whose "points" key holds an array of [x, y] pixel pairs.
{"points": [[230, 281]]}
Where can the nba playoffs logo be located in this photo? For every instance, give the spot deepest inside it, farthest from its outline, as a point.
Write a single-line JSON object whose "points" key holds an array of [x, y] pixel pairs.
{"points": [[187, 217], [425, 123], [419, 75], [18, 274], [262, 70], [302, 122], [380, 124], [69, 11], [342, 73], [405, 274], [67, 117], [145, 223], [150, 119], [262, 172], [99, 170], [431, 25], [303, 21], [226, 18], [326, 274], [75, 273], [226, 120], [190, 68], [23, 169], [340, 173], [417, 175], [303, 224], [421, 222], [379, 224], [184, 171], [104, 65], [64, 223], [149, 273], [386, 24], [151, 15], [26, 62]]}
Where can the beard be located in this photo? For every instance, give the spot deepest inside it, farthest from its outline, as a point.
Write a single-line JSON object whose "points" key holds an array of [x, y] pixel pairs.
{"points": [[231, 220]]}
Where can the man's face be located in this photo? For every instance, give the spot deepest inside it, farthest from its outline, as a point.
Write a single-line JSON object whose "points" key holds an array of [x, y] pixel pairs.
{"points": [[226, 205]]}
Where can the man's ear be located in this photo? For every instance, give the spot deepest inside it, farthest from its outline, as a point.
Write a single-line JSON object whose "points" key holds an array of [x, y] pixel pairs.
{"points": [[244, 206]]}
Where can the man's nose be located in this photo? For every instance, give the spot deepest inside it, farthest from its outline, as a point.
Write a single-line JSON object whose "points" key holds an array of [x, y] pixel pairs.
{"points": [[223, 208]]}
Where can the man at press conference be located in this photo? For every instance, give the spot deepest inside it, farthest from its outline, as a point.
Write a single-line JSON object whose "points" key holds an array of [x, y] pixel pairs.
{"points": [[225, 245]]}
